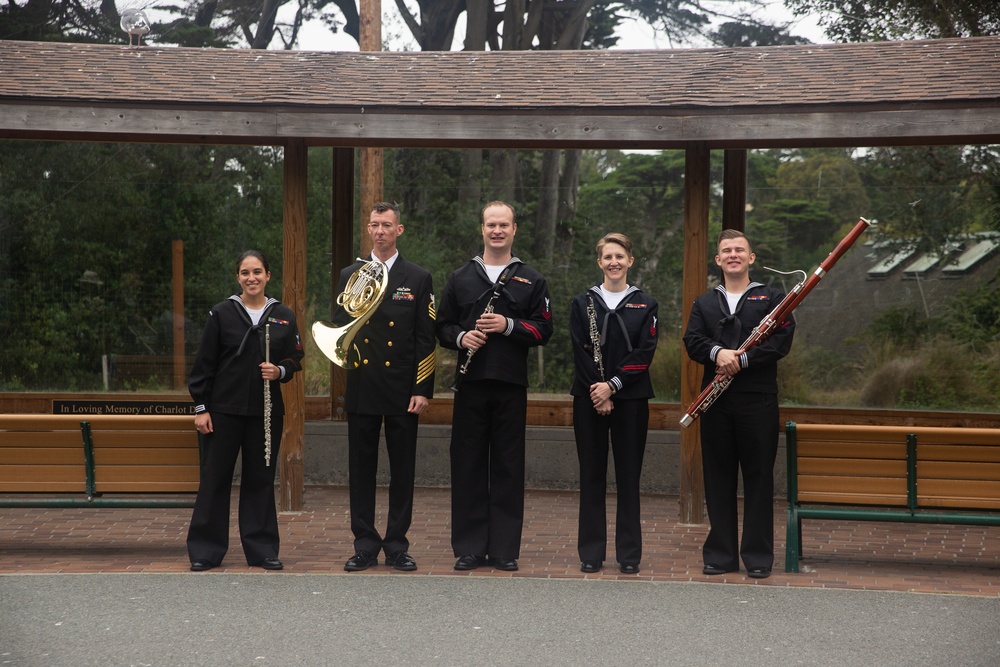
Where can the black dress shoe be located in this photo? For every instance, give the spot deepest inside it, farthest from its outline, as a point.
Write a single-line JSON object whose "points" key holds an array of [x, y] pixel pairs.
{"points": [[714, 569], [505, 564], [360, 561], [629, 568], [469, 562], [759, 572], [590, 566], [272, 564], [401, 561], [200, 565]]}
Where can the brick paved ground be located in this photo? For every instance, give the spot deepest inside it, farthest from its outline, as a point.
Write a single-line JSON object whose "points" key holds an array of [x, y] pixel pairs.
{"points": [[854, 555]]}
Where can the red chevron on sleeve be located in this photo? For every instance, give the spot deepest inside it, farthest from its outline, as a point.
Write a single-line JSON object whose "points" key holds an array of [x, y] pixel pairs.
{"points": [[635, 367], [533, 330]]}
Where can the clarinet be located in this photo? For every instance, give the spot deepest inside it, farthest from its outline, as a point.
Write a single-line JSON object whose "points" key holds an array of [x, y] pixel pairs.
{"points": [[772, 321], [497, 290], [267, 398], [595, 336]]}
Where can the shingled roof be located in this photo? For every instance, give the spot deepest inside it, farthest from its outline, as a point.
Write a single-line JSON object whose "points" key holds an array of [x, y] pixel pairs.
{"points": [[749, 96]]}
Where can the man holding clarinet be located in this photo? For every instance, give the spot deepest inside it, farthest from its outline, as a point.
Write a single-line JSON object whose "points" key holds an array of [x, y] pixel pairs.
{"points": [[494, 308], [739, 432]]}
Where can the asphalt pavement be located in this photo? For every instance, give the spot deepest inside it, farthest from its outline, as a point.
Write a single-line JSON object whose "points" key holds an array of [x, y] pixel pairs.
{"points": [[283, 619]]}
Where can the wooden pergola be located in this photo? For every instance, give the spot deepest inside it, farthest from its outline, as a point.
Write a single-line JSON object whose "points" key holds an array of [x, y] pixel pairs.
{"points": [[698, 100]]}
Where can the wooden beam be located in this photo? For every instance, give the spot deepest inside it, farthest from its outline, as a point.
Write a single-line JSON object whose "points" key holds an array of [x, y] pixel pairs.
{"points": [[697, 180], [342, 252], [734, 190], [517, 128], [293, 280]]}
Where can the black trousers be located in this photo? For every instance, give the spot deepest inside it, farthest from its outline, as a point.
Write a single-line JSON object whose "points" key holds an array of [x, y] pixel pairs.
{"points": [[208, 535], [627, 425], [487, 469], [363, 445], [740, 432]]}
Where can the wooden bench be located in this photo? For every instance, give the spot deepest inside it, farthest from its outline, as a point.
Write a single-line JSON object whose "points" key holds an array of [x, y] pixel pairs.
{"points": [[890, 473], [98, 461]]}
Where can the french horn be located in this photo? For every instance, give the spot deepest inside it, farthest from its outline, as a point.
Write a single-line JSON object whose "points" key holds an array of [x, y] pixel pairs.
{"points": [[360, 299]]}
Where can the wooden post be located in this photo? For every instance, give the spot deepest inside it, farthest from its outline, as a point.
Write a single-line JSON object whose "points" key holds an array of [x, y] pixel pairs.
{"points": [[696, 197], [370, 39], [734, 190], [371, 192], [293, 295], [177, 263], [342, 252]]}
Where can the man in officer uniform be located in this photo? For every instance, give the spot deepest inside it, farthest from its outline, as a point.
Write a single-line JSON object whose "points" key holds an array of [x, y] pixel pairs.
{"points": [[390, 378]]}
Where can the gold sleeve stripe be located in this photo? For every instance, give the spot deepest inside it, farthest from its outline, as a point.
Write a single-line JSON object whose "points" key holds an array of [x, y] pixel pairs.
{"points": [[431, 311], [425, 368]]}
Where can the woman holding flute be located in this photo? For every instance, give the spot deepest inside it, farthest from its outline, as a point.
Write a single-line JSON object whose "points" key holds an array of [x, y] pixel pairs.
{"points": [[613, 327], [227, 384]]}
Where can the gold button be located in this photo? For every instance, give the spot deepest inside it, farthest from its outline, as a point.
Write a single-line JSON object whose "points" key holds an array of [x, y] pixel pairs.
{"points": [[355, 364], [365, 361], [389, 343], [387, 363], [366, 341], [392, 324]]}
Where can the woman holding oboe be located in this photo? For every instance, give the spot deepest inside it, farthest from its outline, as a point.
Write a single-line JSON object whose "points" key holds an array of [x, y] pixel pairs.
{"points": [[250, 339], [613, 326]]}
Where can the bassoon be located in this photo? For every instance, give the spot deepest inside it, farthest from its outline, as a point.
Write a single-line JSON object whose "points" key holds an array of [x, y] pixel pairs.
{"points": [[772, 321]]}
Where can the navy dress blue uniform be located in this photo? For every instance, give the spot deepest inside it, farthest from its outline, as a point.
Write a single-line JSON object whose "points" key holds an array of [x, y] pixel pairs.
{"points": [[490, 409], [628, 342], [740, 430], [392, 360], [226, 381]]}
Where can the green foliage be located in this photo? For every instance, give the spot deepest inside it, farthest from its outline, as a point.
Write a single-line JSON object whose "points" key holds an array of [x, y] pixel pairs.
{"points": [[933, 376], [665, 371], [879, 20], [900, 327], [975, 316], [86, 243], [104, 217], [925, 195], [738, 34]]}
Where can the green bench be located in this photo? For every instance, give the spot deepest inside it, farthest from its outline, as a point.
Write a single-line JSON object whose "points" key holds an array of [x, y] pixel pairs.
{"points": [[99, 461], [890, 473]]}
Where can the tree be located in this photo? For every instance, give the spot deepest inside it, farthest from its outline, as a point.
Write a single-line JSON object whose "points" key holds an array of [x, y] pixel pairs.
{"points": [[927, 196], [880, 20], [60, 20]]}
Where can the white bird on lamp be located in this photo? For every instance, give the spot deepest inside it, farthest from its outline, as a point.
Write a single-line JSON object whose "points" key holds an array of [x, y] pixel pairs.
{"points": [[135, 23]]}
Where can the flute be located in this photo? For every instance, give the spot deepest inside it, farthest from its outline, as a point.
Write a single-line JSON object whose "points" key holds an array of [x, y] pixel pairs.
{"points": [[772, 321], [267, 398]]}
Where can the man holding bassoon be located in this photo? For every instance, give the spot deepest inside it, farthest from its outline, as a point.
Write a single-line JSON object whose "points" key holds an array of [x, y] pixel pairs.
{"points": [[739, 432]]}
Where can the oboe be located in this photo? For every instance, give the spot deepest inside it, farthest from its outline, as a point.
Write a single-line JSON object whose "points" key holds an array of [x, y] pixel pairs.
{"points": [[595, 336], [772, 321], [267, 398]]}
